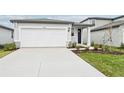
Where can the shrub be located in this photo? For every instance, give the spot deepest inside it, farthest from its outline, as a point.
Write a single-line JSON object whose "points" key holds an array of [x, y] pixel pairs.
{"points": [[100, 46], [96, 46], [1, 46], [122, 45], [106, 48], [92, 43], [69, 45], [85, 43], [74, 45], [10, 46]]}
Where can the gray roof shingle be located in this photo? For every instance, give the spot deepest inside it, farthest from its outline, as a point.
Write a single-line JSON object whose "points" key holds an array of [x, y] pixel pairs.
{"points": [[83, 25], [49, 21], [40, 21], [5, 27], [98, 18]]}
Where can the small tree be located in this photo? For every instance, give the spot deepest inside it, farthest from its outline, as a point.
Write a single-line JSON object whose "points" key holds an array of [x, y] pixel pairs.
{"points": [[107, 39], [122, 46]]}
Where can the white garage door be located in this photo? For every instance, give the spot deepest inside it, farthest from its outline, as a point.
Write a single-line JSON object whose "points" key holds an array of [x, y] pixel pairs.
{"points": [[37, 37]]}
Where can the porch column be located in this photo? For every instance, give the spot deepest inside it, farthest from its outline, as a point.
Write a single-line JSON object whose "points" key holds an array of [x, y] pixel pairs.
{"points": [[82, 41], [69, 33], [88, 37]]}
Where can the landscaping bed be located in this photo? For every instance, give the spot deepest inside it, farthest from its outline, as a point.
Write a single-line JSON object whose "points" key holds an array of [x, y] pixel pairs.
{"points": [[4, 53], [109, 63], [7, 49], [100, 51]]}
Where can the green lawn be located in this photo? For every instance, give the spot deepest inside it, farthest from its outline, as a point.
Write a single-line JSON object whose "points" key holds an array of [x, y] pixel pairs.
{"points": [[4, 53], [117, 49], [108, 64]]}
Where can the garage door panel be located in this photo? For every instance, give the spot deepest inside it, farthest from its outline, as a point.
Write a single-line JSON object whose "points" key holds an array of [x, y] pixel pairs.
{"points": [[43, 38], [42, 44]]}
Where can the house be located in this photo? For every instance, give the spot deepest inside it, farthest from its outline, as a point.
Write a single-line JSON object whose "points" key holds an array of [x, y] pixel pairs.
{"points": [[6, 35], [48, 32], [109, 31]]}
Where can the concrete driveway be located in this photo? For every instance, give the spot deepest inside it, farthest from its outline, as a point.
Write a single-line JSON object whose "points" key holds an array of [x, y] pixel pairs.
{"points": [[45, 62]]}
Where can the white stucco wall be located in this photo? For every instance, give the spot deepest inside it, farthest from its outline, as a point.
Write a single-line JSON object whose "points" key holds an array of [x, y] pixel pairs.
{"points": [[5, 36], [18, 26], [98, 23], [74, 38], [98, 36], [121, 28], [89, 21]]}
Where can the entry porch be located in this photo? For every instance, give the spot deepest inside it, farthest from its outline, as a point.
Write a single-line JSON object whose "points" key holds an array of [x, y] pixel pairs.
{"points": [[78, 36]]}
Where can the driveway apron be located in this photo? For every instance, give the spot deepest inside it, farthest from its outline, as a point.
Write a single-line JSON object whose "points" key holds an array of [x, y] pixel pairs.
{"points": [[45, 62]]}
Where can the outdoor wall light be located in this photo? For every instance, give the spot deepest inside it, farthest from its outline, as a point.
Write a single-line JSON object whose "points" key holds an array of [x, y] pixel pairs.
{"points": [[69, 29]]}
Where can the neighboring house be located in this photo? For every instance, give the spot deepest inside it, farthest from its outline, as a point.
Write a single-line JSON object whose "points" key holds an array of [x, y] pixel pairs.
{"points": [[48, 32], [105, 29], [6, 35]]}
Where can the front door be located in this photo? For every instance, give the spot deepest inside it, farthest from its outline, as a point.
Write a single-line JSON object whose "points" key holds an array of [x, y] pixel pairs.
{"points": [[79, 36]]}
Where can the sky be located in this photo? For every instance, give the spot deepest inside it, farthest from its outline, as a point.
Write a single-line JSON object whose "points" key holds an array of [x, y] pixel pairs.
{"points": [[4, 19]]}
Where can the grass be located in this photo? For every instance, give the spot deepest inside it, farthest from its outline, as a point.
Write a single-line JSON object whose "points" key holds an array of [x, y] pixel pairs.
{"points": [[4, 53], [109, 64], [117, 49]]}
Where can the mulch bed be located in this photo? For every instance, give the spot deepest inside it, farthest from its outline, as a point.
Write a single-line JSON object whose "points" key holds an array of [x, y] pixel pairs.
{"points": [[99, 51]]}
